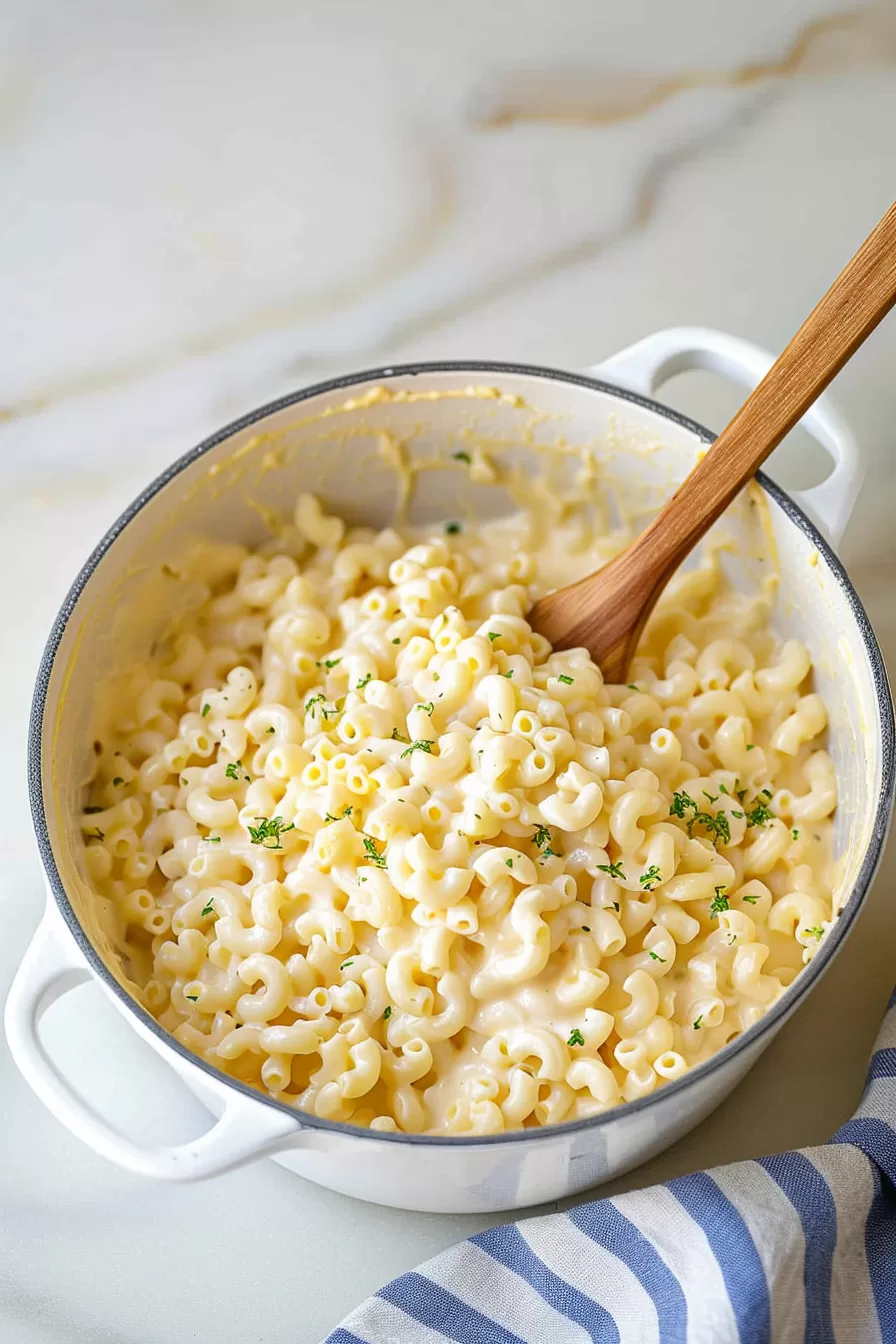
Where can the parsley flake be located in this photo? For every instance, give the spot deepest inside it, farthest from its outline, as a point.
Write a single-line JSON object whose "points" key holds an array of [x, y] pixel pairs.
{"points": [[233, 768], [759, 816], [586, 928], [213, 839], [680, 802], [509, 862], [208, 909], [651, 878], [719, 902], [387, 1012], [350, 962], [373, 854], [698, 1023], [542, 836], [508, 675], [750, 899], [654, 956], [363, 682], [427, 708], [453, 528], [751, 746], [492, 635], [117, 780], [567, 681], [397, 736], [794, 834], [328, 663], [462, 457], [268, 832], [206, 709], [425, 744], [575, 1037], [192, 997], [613, 870], [817, 932], [92, 811], [271, 730], [396, 641], [328, 816]]}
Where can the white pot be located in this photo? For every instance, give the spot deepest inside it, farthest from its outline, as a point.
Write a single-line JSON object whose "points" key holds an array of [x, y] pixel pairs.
{"points": [[222, 489]]}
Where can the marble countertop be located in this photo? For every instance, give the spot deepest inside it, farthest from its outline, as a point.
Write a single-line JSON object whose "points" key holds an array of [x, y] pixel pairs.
{"points": [[208, 206]]}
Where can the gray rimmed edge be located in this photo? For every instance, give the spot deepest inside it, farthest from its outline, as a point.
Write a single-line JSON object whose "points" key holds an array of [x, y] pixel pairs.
{"points": [[775, 1016]]}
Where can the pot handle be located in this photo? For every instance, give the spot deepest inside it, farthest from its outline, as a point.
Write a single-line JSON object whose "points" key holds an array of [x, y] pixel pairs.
{"points": [[647, 364], [50, 968]]}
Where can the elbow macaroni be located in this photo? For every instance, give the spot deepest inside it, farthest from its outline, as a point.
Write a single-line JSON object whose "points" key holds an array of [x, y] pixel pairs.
{"points": [[378, 850]]}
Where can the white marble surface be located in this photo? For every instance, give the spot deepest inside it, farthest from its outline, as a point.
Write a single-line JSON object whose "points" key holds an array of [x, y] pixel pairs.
{"points": [[207, 205]]}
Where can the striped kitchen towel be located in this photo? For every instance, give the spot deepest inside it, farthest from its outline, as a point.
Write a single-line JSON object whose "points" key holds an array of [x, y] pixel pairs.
{"points": [[796, 1247]]}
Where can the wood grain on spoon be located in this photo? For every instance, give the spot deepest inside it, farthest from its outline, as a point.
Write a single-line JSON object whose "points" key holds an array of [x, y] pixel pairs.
{"points": [[605, 612]]}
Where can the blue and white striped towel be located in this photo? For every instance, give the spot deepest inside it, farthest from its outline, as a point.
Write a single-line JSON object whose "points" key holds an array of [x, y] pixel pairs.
{"points": [[797, 1247]]}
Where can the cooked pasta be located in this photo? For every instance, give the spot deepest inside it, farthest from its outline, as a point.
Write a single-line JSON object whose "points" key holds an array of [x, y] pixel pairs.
{"points": [[372, 846]]}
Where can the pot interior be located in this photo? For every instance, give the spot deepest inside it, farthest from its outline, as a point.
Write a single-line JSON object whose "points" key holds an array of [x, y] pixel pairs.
{"points": [[443, 443]]}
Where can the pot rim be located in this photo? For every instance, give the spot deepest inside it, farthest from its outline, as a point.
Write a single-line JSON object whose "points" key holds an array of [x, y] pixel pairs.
{"points": [[786, 1005]]}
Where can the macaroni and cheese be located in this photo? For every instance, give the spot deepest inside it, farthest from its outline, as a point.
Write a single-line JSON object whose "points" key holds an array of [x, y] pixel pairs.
{"points": [[372, 846]]}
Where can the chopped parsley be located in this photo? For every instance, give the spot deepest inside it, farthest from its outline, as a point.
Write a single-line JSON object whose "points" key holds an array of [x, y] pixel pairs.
{"points": [[462, 457], [92, 811], [330, 662], [738, 815], [567, 681], [209, 909], [425, 744], [232, 771], [794, 834], [396, 640], [117, 780], [315, 700], [586, 928], [817, 932], [328, 816], [654, 956], [680, 802], [397, 736], [508, 675], [427, 708], [631, 685], [492, 635], [719, 902], [191, 997], [363, 682], [759, 816], [713, 797], [271, 729], [509, 862], [387, 1012], [453, 528], [698, 1023], [268, 832], [722, 788], [651, 878], [373, 854], [750, 899], [206, 709], [575, 1037], [350, 962], [213, 839], [613, 870], [542, 836], [751, 746]]}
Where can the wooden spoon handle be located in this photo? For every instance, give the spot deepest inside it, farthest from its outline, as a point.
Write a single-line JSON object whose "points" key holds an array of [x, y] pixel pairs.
{"points": [[862, 294]]}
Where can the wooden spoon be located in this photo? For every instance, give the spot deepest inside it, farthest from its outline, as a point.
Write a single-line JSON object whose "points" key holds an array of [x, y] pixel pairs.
{"points": [[605, 612]]}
